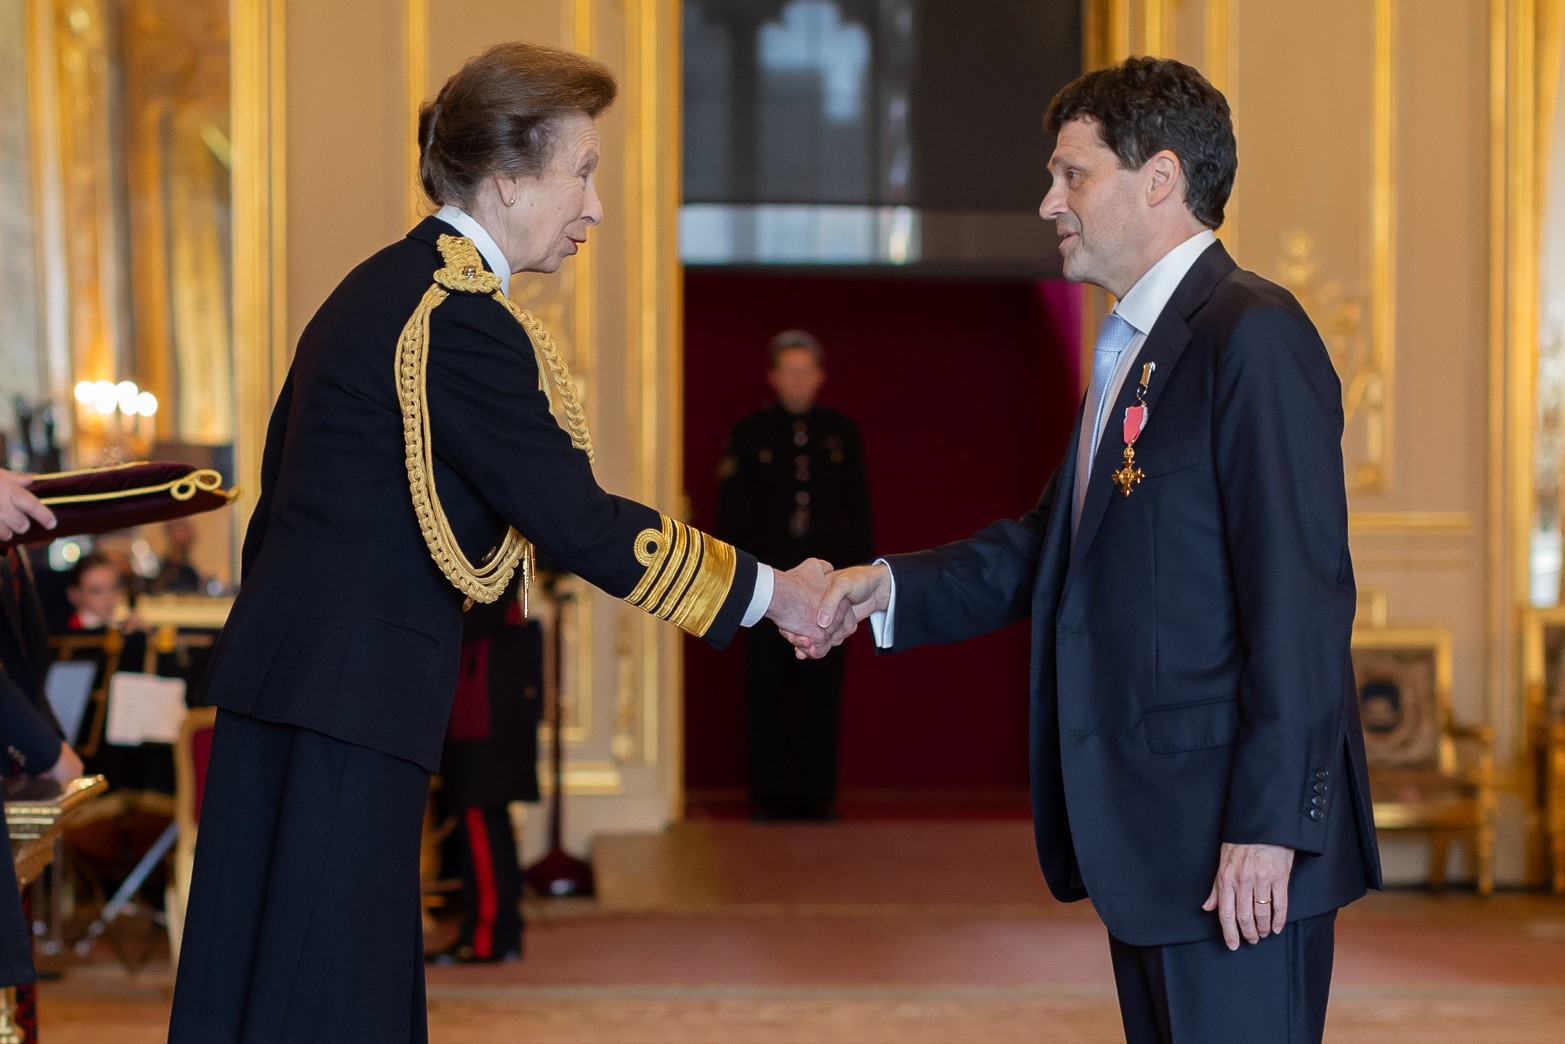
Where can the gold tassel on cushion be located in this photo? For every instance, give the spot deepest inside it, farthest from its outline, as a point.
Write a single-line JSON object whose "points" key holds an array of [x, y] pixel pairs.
{"points": [[464, 273]]}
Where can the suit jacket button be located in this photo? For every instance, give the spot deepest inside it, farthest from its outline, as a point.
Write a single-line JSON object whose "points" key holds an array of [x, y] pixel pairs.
{"points": [[1322, 775], [1319, 788], [1318, 801], [1316, 814]]}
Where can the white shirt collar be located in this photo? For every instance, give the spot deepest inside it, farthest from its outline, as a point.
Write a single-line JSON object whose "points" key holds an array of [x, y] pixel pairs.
{"points": [[465, 223], [1144, 302]]}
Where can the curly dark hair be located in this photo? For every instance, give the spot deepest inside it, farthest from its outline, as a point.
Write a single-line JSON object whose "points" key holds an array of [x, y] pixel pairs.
{"points": [[499, 113], [1145, 105]]}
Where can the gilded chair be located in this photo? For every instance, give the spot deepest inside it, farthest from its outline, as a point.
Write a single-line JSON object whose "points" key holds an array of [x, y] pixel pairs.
{"points": [[103, 649], [1543, 671], [1428, 773], [192, 754]]}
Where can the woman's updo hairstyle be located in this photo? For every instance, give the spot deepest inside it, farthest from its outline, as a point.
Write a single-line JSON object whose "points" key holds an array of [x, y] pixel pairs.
{"points": [[499, 114]]}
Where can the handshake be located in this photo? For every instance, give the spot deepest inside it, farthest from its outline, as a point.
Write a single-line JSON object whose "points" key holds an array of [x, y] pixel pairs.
{"points": [[816, 607]]}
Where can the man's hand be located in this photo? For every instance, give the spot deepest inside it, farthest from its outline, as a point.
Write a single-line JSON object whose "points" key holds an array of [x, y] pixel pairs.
{"points": [[851, 596], [67, 768], [1250, 893], [796, 597], [19, 509]]}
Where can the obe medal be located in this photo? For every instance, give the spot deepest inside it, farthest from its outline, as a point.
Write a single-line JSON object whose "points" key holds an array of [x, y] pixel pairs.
{"points": [[1127, 477]]}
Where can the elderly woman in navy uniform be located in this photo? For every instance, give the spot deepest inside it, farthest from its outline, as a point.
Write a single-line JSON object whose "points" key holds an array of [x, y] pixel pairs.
{"points": [[411, 460]]}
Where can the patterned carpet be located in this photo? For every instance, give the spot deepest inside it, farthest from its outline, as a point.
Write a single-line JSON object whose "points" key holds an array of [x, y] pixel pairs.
{"points": [[904, 934]]}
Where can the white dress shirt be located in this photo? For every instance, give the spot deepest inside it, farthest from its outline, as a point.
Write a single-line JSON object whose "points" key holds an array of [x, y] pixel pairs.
{"points": [[494, 257], [1140, 307]]}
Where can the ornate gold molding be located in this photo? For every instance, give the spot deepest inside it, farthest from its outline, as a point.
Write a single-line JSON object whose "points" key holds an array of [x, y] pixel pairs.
{"points": [[1373, 473], [415, 65], [579, 281], [1372, 611], [1411, 523], [1219, 54], [1157, 27], [261, 348], [1355, 352], [595, 778], [1513, 318], [1360, 333]]}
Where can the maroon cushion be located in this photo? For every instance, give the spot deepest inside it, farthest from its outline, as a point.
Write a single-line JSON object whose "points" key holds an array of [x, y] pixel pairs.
{"points": [[98, 500]]}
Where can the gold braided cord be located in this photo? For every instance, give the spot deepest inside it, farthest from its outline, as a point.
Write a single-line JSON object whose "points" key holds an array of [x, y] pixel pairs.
{"points": [[481, 583], [464, 272], [550, 361]]}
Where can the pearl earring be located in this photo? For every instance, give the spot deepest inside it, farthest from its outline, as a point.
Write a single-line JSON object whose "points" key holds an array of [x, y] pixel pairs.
{"points": [[511, 202]]}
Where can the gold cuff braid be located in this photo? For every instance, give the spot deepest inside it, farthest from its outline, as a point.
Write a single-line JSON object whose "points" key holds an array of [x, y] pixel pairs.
{"points": [[688, 575], [464, 273]]}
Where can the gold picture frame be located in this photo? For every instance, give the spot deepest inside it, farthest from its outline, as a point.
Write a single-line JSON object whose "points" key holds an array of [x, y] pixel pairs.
{"points": [[1403, 679]]}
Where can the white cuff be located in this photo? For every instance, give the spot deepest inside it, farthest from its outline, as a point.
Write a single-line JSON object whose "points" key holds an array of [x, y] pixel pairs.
{"points": [[761, 600], [883, 623]]}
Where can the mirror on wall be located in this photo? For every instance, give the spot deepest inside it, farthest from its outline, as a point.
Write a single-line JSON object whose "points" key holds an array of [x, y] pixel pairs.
{"points": [[1545, 550], [116, 208]]}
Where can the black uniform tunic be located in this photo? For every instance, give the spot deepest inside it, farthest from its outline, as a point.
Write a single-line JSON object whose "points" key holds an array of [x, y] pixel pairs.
{"points": [[792, 486]]}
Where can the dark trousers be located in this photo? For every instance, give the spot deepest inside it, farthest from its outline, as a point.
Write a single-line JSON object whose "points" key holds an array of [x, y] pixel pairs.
{"points": [[1201, 993], [303, 922], [791, 718], [491, 881]]}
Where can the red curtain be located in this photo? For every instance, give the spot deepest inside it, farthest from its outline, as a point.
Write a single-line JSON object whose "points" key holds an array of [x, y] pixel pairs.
{"points": [[965, 393]]}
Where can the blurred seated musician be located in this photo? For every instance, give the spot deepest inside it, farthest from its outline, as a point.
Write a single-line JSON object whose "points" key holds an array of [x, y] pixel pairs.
{"points": [[93, 587], [177, 575]]}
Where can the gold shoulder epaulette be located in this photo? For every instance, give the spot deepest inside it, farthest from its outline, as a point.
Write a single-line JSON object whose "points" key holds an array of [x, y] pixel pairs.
{"points": [[688, 575], [464, 272]]}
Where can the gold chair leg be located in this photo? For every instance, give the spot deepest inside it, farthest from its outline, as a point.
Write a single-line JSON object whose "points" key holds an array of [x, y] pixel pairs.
{"points": [[1483, 855], [1439, 856], [10, 1032], [1557, 862]]}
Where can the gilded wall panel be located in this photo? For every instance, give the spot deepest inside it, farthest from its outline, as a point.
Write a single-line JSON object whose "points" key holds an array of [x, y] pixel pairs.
{"points": [[21, 325], [1309, 187]]}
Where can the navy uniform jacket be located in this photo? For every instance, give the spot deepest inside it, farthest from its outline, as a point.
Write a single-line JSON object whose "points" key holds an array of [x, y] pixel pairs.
{"points": [[1191, 678], [793, 486], [344, 624]]}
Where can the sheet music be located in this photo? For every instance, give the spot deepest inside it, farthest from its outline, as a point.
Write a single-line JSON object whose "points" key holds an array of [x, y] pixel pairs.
{"points": [[67, 686], [144, 708]]}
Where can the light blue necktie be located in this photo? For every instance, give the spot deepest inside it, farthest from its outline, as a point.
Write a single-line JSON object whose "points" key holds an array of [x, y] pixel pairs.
{"points": [[1114, 336]]}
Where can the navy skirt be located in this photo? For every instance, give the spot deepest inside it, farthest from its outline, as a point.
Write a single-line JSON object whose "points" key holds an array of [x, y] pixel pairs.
{"points": [[304, 917]]}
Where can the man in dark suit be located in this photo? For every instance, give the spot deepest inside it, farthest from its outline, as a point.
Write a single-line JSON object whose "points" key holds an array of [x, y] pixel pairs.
{"points": [[791, 486], [1197, 760]]}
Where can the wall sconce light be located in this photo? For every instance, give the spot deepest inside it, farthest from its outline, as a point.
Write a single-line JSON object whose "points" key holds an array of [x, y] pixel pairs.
{"points": [[116, 413]]}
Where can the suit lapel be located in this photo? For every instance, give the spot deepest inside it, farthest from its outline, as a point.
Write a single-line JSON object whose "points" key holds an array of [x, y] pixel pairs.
{"points": [[1164, 344]]}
